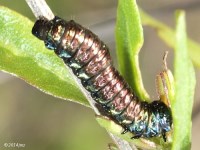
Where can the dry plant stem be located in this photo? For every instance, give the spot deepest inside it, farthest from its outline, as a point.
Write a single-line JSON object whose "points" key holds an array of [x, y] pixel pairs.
{"points": [[41, 9], [122, 144]]}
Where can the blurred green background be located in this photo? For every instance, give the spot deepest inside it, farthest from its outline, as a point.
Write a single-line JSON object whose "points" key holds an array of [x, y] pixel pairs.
{"points": [[43, 122]]}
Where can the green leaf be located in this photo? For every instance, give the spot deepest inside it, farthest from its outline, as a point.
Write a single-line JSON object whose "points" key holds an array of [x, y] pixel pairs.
{"points": [[129, 39], [169, 36], [24, 56], [184, 88]]}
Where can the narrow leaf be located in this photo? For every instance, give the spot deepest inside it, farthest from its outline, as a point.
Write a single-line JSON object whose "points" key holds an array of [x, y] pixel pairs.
{"points": [[129, 39], [168, 35], [24, 56], [184, 88]]}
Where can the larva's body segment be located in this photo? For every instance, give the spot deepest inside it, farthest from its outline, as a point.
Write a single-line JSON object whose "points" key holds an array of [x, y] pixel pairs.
{"points": [[90, 61]]}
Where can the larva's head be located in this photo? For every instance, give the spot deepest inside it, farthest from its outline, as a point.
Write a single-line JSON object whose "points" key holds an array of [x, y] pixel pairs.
{"points": [[40, 28], [50, 31]]}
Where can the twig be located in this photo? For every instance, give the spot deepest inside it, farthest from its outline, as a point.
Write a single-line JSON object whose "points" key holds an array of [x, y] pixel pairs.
{"points": [[41, 9]]}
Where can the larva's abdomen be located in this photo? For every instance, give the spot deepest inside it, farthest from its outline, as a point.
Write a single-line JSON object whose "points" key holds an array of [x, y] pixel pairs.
{"points": [[90, 61]]}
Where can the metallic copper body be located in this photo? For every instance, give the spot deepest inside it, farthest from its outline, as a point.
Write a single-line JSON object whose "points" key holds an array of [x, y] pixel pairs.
{"points": [[90, 60]]}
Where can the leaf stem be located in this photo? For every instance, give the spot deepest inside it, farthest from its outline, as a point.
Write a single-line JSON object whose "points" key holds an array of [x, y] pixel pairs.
{"points": [[41, 9]]}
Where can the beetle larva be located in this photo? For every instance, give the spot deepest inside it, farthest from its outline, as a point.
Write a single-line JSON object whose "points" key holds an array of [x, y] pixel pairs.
{"points": [[90, 61]]}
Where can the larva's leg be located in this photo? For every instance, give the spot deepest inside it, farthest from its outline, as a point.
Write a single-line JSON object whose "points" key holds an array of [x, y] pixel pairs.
{"points": [[164, 136], [165, 83], [125, 131], [136, 136]]}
